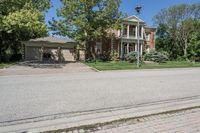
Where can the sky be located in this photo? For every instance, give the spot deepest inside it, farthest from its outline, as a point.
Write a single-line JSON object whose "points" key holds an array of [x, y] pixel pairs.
{"points": [[149, 8]]}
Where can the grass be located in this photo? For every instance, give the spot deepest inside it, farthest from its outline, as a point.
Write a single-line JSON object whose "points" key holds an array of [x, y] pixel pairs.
{"points": [[124, 65], [4, 65]]}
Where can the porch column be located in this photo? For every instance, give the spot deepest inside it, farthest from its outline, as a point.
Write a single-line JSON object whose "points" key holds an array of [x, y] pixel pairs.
{"points": [[135, 47], [141, 48], [142, 34], [128, 31], [127, 48]]}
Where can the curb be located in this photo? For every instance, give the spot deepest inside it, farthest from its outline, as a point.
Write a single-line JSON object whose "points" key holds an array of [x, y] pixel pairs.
{"points": [[100, 117]]}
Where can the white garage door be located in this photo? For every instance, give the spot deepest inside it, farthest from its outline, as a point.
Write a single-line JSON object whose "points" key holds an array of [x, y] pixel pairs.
{"points": [[68, 54]]}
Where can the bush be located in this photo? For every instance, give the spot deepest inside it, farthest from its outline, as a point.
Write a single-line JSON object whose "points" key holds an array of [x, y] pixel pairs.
{"points": [[114, 55], [156, 57], [132, 57]]}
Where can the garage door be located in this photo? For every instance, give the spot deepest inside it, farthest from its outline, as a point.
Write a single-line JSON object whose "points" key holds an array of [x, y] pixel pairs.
{"points": [[68, 54], [32, 53]]}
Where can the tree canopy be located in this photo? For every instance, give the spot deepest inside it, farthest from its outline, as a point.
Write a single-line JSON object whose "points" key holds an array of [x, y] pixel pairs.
{"points": [[86, 20], [21, 20], [175, 28]]}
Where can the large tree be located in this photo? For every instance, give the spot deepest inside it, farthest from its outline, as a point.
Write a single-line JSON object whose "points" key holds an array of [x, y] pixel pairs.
{"points": [[194, 43], [87, 20], [20, 20], [178, 23]]}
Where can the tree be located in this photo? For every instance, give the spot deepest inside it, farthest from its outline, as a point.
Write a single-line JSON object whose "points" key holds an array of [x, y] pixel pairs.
{"points": [[185, 30], [178, 24], [20, 20], [194, 43], [87, 20], [25, 24]]}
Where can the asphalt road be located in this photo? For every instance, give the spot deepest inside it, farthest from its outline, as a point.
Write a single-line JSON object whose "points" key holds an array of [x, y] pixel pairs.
{"points": [[30, 96]]}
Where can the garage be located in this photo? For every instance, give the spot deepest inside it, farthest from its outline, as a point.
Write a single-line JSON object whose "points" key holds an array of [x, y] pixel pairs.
{"points": [[51, 49]]}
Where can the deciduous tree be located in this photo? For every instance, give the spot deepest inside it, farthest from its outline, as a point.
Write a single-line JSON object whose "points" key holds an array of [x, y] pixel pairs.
{"points": [[20, 20], [178, 24], [87, 20]]}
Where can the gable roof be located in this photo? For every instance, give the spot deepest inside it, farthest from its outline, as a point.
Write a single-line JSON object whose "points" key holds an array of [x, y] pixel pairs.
{"points": [[52, 39], [134, 18]]}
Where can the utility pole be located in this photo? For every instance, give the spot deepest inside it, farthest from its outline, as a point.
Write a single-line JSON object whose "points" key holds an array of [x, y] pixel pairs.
{"points": [[138, 9]]}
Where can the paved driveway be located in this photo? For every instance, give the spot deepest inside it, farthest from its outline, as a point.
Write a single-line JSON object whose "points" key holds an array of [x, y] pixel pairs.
{"points": [[23, 97], [45, 69]]}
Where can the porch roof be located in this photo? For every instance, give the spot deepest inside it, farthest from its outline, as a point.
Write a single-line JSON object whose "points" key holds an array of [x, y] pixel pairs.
{"points": [[133, 18]]}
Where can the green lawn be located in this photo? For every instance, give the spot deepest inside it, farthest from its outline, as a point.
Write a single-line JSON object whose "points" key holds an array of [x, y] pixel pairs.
{"points": [[3, 65], [124, 65]]}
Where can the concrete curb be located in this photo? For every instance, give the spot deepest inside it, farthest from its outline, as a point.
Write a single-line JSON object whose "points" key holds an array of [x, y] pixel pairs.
{"points": [[102, 116]]}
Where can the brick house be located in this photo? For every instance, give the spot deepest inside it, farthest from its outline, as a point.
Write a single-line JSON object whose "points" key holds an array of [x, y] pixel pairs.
{"points": [[125, 39]]}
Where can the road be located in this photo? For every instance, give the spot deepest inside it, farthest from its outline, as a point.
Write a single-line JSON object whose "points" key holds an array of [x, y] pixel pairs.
{"points": [[23, 97]]}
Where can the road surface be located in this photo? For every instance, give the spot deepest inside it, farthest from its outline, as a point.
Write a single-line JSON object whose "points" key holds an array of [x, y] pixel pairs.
{"points": [[25, 97]]}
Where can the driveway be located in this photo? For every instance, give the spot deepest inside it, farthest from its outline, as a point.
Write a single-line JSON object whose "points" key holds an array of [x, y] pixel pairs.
{"points": [[24, 97], [33, 69]]}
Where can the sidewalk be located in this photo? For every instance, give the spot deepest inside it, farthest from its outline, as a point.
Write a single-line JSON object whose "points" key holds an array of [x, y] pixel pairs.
{"points": [[97, 119], [186, 121]]}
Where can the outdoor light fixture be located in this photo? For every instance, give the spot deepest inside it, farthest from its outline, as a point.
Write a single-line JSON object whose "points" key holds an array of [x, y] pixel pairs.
{"points": [[138, 9]]}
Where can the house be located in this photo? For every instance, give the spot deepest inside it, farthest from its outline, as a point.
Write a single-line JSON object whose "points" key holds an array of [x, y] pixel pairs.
{"points": [[49, 49], [122, 41], [125, 39]]}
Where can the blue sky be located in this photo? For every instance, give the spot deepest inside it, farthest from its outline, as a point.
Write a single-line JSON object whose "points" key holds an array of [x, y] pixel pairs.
{"points": [[149, 8]]}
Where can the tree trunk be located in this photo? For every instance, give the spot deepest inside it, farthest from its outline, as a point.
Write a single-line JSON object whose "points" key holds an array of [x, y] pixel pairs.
{"points": [[90, 54]]}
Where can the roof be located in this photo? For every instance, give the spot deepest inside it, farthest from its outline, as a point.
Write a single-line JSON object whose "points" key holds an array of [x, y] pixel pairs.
{"points": [[150, 28], [134, 18], [52, 39]]}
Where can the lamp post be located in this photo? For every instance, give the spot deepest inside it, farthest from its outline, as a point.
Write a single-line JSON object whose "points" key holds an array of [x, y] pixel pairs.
{"points": [[138, 9]]}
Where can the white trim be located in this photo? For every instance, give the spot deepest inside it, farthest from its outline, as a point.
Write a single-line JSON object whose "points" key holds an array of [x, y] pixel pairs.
{"points": [[134, 17], [128, 31]]}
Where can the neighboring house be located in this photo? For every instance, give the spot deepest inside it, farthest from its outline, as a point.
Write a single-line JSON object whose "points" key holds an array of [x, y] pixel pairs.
{"points": [[125, 40], [49, 49]]}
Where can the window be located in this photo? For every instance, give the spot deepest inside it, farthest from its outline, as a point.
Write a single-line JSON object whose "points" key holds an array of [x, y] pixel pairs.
{"points": [[132, 31], [140, 31], [124, 30], [131, 47], [125, 48]]}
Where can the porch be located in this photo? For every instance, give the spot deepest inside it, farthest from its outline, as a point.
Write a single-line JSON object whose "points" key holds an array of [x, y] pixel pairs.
{"points": [[128, 46]]}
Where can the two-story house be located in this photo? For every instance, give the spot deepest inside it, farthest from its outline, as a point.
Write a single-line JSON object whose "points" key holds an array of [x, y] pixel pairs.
{"points": [[125, 39]]}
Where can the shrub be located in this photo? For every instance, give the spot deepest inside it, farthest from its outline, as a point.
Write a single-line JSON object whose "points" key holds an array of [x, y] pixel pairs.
{"points": [[156, 57], [132, 57], [114, 55]]}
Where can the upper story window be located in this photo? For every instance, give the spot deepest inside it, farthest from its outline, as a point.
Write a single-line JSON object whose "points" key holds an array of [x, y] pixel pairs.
{"points": [[140, 31], [124, 33], [132, 30]]}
